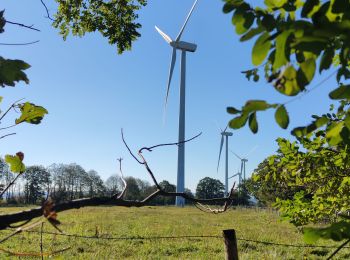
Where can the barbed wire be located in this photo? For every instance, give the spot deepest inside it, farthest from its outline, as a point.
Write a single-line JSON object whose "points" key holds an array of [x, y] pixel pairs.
{"points": [[182, 237]]}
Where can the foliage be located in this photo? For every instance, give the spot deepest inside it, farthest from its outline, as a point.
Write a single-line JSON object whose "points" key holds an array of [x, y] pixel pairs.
{"points": [[294, 39], [114, 19], [266, 186], [208, 188]]}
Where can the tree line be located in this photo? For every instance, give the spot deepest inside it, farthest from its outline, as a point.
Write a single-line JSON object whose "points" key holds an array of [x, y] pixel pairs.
{"points": [[66, 182]]}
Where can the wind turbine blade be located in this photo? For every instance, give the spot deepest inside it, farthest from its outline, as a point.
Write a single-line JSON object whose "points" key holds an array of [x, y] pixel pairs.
{"points": [[235, 154], [252, 150], [172, 65], [234, 175], [164, 35], [225, 129], [221, 145], [184, 25]]}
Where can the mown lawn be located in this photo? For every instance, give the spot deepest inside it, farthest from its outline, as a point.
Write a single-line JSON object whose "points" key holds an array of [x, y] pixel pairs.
{"points": [[165, 221]]}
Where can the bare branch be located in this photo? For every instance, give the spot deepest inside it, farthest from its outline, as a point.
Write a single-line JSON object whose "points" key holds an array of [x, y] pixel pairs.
{"points": [[19, 44], [47, 11], [23, 25], [168, 144], [129, 148], [116, 200], [10, 184], [7, 135], [11, 107]]}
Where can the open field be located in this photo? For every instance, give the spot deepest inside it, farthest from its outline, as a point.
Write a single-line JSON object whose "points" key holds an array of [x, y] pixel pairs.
{"points": [[165, 221]]}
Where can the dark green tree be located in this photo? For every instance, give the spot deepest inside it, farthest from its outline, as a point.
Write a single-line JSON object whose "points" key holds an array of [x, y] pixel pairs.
{"points": [[209, 188], [37, 184]]}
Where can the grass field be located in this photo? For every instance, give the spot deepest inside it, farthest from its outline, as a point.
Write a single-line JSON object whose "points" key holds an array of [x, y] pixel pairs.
{"points": [[165, 221]]}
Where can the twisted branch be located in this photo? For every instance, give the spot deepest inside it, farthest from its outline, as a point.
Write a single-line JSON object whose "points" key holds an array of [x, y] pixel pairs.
{"points": [[118, 200]]}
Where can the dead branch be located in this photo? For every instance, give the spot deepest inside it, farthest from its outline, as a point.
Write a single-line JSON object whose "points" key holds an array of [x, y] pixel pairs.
{"points": [[117, 200], [23, 25]]}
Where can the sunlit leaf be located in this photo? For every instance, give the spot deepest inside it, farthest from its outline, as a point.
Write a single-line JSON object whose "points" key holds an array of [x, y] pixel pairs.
{"points": [[280, 57], [15, 162], [31, 113], [281, 117], [261, 49]]}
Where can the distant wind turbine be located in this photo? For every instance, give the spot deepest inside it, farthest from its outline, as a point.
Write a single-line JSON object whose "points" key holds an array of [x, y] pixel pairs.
{"points": [[224, 135], [239, 174], [243, 162], [183, 47]]}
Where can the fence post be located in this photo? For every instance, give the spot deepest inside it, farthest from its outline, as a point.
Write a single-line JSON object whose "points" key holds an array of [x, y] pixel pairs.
{"points": [[230, 240]]}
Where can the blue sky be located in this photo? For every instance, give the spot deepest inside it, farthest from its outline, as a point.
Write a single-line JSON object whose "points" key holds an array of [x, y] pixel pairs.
{"points": [[91, 92]]}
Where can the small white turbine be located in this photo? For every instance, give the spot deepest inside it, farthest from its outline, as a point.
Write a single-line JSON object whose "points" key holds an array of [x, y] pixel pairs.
{"points": [[183, 47]]}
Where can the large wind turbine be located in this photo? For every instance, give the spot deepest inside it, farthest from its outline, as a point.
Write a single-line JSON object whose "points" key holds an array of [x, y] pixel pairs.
{"points": [[183, 47], [224, 135]]}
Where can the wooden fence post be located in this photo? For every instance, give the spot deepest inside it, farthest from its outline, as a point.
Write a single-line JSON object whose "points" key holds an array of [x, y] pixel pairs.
{"points": [[230, 240]]}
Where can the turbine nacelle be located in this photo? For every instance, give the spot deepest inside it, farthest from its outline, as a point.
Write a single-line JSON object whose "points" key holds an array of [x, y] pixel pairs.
{"points": [[184, 46], [226, 133]]}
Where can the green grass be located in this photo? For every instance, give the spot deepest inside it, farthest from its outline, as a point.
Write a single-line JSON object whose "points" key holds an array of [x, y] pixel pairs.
{"points": [[165, 221]]}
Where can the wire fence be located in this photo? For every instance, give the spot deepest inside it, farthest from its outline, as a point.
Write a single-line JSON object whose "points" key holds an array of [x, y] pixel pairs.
{"points": [[183, 237]]}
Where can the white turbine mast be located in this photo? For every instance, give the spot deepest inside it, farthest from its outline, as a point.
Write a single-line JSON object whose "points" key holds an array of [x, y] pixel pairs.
{"points": [[224, 137], [184, 47]]}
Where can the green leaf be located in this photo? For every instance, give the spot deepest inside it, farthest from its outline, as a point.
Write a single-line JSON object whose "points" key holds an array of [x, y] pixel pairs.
{"points": [[16, 164], [11, 71], [239, 121], [31, 113], [281, 117], [251, 33], [280, 57], [242, 20], [309, 7], [306, 73], [261, 49], [333, 133], [232, 110], [343, 92], [256, 105], [253, 124], [231, 5], [339, 6], [286, 82], [326, 60]]}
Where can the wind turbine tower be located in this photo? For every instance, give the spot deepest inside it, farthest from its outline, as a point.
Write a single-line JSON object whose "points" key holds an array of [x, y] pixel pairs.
{"points": [[224, 135], [183, 47]]}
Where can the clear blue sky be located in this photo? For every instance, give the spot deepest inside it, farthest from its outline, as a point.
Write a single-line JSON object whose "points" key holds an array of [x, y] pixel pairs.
{"points": [[91, 92]]}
